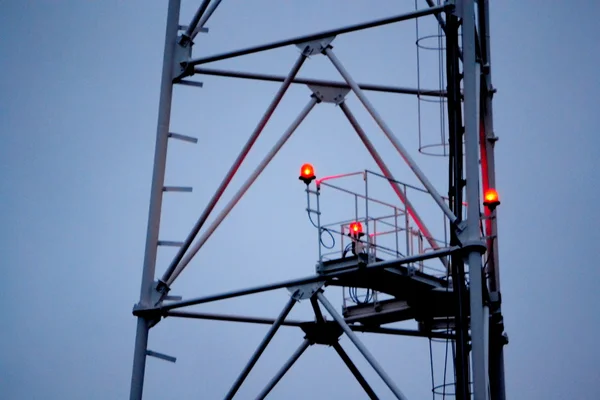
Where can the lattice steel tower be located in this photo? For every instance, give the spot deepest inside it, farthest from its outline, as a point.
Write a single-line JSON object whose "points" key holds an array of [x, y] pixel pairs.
{"points": [[381, 262]]}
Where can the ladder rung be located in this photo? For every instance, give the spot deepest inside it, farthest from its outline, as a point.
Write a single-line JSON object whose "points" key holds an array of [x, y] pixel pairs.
{"points": [[161, 356], [170, 243], [191, 83], [177, 189], [185, 138]]}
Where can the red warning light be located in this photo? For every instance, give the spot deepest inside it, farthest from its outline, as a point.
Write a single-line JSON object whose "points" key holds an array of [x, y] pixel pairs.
{"points": [[307, 173], [356, 229], [491, 199]]}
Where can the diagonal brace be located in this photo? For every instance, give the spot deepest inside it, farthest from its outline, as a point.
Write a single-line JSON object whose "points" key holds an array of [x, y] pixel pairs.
{"points": [[386, 171], [261, 348], [390, 135], [352, 367], [232, 171], [361, 347], [236, 198], [284, 369]]}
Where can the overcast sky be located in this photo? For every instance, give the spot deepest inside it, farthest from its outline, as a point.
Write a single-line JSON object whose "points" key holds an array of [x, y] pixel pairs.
{"points": [[79, 88]]}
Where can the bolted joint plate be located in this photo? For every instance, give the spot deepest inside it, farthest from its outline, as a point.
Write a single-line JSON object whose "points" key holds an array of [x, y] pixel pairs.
{"points": [[181, 58], [152, 315], [325, 333], [315, 46], [329, 94], [473, 245], [303, 292]]}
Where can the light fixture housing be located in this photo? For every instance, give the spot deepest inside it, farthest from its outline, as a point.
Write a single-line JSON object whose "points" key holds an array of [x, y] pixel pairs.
{"points": [[491, 199], [307, 173]]}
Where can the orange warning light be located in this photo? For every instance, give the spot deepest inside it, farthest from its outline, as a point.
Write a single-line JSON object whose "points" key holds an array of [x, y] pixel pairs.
{"points": [[491, 199], [307, 173], [356, 229]]}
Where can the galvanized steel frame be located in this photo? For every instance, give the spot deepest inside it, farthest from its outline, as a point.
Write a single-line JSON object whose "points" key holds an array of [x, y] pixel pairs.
{"points": [[476, 98]]}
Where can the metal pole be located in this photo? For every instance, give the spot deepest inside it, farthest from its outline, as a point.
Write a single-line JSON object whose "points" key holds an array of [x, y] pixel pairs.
{"points": [[236, 198], [186, 37], [283, 370], [438, 16], [497, 341], [403, 198], [456, 186], [318, 82], [206, 16], [471, 121], [361, 380], [384, 376], [158, 177], [232, 171], [319, 232], [489, 140], [322, 35], [390, 135], [261, 348]]}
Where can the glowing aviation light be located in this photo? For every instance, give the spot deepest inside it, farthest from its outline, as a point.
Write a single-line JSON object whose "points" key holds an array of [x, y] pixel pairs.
{"points": [[491, 199], [307, 173], [356, 229]]}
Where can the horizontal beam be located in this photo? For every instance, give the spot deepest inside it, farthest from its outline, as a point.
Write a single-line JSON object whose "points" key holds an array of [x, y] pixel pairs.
{"points": [[322, 35], [238, 293], [230, 318], [401, 332], [296, 323], [328, 278], [307, 81]]}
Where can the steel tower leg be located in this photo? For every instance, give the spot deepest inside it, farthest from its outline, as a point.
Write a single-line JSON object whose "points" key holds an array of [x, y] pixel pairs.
{"points": [[456, 185], [158, 176], [472, 239], [284, 369], [488, 139]]}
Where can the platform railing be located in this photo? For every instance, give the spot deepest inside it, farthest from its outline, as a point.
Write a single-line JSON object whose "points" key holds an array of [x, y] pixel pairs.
{"points": [[392, 233]]}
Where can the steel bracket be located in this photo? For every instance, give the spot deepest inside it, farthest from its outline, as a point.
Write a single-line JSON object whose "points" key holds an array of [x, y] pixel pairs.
{"points": [[473, 245], [315, 46], [151, 315], [326, 333], [181, 58], [328, 94], [460, 228], [304, 292], [159, 291]]}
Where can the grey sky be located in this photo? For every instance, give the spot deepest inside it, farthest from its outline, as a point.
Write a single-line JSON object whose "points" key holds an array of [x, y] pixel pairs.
{"points": [[78, 101]]}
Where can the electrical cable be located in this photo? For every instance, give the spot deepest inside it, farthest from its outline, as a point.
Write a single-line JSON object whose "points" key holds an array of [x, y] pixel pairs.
{"points": [[321, 230]]}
